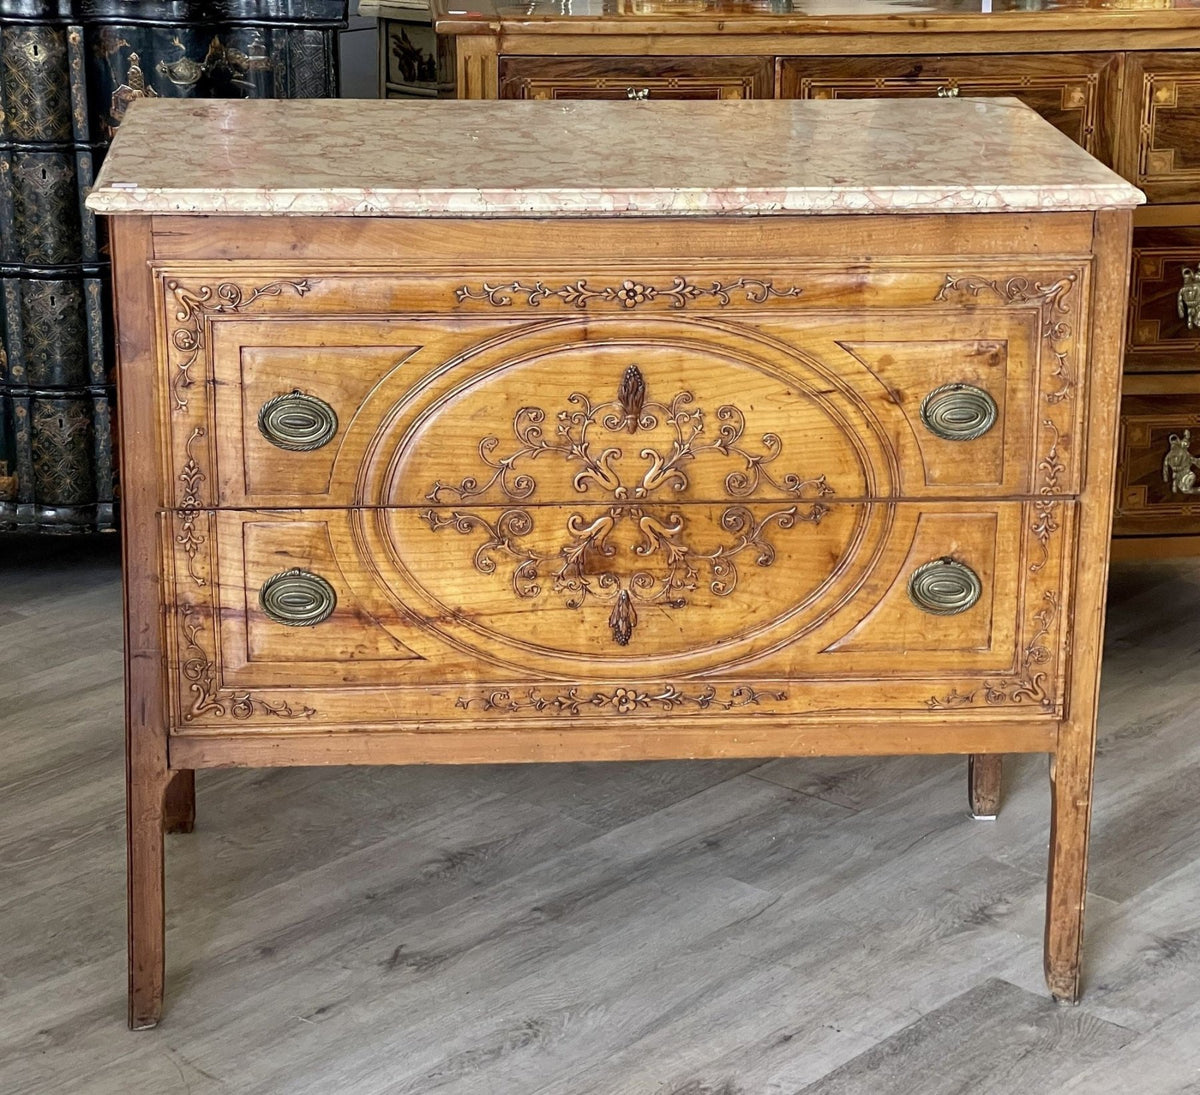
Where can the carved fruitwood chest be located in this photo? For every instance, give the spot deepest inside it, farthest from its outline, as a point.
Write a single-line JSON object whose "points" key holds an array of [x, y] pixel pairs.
{"points": [[586, 435]]}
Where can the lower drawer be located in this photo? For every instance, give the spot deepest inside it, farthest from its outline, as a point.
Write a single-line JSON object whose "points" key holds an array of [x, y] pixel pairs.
{"points": [[309, 620], [1158, 471]]}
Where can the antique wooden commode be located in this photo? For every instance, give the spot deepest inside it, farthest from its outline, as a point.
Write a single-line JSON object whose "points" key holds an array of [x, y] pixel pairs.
{"points": [[465, 432]]}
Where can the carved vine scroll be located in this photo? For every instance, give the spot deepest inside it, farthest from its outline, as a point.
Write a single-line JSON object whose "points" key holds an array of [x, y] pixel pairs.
{"points": [[630, 293], [200, 672], [193, 306], [664, 568], [619, 701]]}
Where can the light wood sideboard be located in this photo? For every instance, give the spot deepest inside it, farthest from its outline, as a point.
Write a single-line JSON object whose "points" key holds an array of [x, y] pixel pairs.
{"points": [[582, 434], [1121, 79]]}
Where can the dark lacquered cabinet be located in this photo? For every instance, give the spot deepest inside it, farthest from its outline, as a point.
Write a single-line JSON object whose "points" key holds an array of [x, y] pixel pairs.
{"points": [[69, 70]]}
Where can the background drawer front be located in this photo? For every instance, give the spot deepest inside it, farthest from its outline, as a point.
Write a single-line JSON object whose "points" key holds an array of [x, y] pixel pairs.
{"points": [[1071, 91], [635, 77], [427, 620], [1163, 117], [1164, 301], [787, 398], [1157, 488]]}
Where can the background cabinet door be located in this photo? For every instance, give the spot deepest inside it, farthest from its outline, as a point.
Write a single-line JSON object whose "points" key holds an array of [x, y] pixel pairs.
{"points": [[1158, 492], [1164, 301], [1071, 91], [635, 78], [1163, 104]]}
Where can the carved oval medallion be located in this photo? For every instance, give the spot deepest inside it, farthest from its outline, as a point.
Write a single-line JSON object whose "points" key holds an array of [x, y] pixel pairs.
{"points": [[944, 587], [297, 422], [297, 598], [578, 498], [958, 412]]}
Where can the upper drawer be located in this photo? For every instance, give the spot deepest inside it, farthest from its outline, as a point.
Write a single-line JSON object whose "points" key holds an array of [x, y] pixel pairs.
{"points": [[1163, 97], [928, 385], [1164, 301], [635, 78], [1071, 91]]}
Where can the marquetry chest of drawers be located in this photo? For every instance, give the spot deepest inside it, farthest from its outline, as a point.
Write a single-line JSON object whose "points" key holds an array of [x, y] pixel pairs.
{"points": [[576, 439]]}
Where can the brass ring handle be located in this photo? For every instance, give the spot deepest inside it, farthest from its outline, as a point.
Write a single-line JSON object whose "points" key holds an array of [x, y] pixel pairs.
{"points": [[638, 93], [947, 92], [297, 422], [958, 412], [297, 598], [1179, 465], [1187, 300], [944, 587]]}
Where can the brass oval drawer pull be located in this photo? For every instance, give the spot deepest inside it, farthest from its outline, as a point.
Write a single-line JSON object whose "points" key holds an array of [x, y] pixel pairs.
{"points": [[640, 94], [297, 598], [297, 422], [944, 587], [947, 92], [958, 412]]}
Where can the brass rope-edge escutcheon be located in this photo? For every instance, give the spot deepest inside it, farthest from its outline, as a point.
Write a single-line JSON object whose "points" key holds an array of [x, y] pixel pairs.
{"points": [[944, 587], [297, 422], [297, 598], [958, 412]]}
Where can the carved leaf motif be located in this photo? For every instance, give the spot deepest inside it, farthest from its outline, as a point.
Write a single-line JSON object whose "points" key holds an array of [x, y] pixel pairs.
{"points": [[623, 618], [193, 306], [631, 395]]}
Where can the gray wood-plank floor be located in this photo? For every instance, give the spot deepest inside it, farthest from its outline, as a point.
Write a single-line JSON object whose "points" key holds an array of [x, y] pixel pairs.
{"points": [[820, 927]]}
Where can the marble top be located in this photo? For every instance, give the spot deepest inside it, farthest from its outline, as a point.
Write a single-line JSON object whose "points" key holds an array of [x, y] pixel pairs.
{"points": [[455, 158]]}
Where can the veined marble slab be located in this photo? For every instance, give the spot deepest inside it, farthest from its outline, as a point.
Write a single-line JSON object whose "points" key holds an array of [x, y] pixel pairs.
{"points": [[453, 158]]}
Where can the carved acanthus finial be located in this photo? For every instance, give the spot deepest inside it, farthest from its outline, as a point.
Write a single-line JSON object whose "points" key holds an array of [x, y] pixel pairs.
{"points": [[623, 619], [631, 395]]}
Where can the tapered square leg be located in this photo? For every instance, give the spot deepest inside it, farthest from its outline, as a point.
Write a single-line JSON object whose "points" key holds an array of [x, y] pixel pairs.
{"points": [[146, 818], [180, 806], [985, 773], [1066, 885]]}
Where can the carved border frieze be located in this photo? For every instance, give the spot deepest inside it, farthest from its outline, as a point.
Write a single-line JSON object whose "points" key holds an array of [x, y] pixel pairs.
{"points": [[191, 476], [630, 293], [619, 701]]}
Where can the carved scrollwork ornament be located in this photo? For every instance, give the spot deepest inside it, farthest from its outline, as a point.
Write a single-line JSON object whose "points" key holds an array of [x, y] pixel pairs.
{"points": [[662, 567], [944, 587], [297, 422], [297, 598], [958, 412]]}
